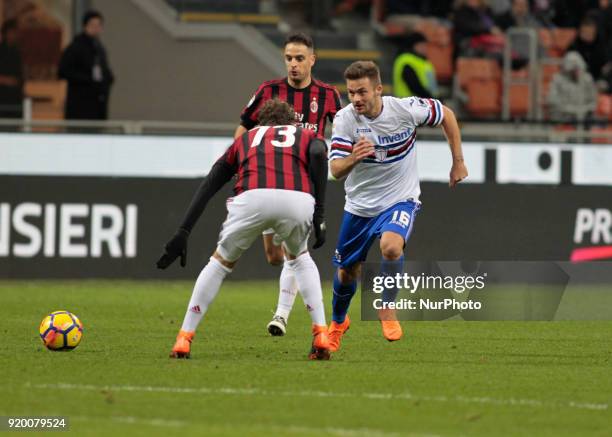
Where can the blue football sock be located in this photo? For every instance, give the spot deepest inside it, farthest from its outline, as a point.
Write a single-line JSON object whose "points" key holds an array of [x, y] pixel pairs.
{"points": [[342, 298], [391, 268]]}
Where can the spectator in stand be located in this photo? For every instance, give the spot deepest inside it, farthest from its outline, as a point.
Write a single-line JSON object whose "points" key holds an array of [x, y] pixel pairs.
{"points": [[500, 7], [544, 12], [572, 96], [602, 14], [413, 73], [474, 26], [11, 72], [85, 66], [591, 46], [518, 16], [569, 13], [438, 8]]}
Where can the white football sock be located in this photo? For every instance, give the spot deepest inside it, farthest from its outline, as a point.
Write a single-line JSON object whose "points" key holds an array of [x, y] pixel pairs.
{"points": [[204, 291], [288, 291], [309, 284]]}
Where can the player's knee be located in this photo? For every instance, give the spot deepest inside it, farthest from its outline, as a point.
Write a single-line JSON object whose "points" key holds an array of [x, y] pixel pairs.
{"points": [[391, 251]]}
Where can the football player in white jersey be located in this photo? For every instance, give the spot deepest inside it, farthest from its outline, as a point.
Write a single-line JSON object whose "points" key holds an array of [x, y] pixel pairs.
{"points": [[373, 147]]}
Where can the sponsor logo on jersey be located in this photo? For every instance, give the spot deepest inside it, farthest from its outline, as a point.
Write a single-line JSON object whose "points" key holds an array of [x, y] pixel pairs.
{"points": [[365, 130], [310, 126], [394, 138]]}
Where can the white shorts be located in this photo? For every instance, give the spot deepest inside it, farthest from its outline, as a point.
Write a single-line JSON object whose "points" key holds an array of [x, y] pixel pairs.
{"points": [[287, 212]]}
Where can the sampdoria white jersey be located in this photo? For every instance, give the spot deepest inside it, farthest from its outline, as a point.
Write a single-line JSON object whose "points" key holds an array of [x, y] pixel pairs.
{"points": [[390, 175]]}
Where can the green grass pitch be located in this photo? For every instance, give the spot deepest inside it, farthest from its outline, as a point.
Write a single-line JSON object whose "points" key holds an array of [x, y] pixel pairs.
{"points": [[443, 378]]}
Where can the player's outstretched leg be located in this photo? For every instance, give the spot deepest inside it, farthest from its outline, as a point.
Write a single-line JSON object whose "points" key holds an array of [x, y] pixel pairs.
{"points": [[345, 286], [286, 298], [309, 283], [204, 291]]}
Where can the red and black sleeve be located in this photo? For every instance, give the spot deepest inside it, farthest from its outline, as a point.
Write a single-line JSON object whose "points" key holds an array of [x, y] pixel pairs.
{"points": [[220, 173], [248, 117]]}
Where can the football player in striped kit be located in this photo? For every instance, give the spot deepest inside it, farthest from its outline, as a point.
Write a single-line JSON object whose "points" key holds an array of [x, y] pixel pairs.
{"points": [[315, 103], [373, 147], [281, 174]]}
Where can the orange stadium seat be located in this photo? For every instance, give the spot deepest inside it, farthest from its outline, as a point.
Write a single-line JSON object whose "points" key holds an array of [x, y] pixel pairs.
{"points": [[439, 47], [562, 38], [545, 36], [481, 79], [602, 139], [604, 106], [557, 40], [477, 68], [442, 59], [519, 99], [484, 97]]}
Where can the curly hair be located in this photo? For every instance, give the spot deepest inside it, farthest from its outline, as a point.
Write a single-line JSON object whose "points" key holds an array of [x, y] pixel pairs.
{"points": [[276, 112]]}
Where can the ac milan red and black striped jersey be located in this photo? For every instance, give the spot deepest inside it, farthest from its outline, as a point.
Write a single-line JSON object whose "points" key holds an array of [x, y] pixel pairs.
{"points": [[271, 157], [313, 105]]}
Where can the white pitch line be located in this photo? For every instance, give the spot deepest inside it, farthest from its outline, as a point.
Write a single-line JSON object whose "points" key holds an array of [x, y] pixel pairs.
{"points": [[131, 420], [341, 432], [327, 394]]}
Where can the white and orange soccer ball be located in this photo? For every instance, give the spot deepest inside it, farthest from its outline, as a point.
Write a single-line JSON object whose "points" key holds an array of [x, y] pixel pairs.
{"points": [[61, 330]]}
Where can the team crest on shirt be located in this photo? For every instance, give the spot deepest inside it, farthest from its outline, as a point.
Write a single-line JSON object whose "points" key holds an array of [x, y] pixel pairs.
{"points": [[380, 153], [314, 106]]}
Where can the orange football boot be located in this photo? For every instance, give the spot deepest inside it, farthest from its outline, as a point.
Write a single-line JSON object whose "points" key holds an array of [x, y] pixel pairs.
{"points": [[391, 328], [182, 346], [320, 343], [336, 331]]}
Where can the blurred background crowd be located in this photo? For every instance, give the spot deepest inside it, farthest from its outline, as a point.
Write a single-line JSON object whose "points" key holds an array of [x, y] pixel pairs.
{"points": [[544, 61]]}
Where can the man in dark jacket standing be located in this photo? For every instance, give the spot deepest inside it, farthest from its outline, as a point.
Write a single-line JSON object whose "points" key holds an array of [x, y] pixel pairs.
{"points": [[85, 66], [11, 72]]}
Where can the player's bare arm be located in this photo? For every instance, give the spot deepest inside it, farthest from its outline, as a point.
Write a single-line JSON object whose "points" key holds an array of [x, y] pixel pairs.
{"points": [[453, 136], [340, 168], [240, 130]]}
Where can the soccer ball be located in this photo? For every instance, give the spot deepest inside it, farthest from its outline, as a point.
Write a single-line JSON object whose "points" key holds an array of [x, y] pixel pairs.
{"points": [[61, 330]]}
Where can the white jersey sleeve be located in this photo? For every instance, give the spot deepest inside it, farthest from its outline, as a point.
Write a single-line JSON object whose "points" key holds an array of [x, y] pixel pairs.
{"points": [[423, 112], [342, 139]]}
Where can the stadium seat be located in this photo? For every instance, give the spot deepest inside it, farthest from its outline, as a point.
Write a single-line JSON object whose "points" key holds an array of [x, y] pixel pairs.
{"points": [[483, 97], [519, 99], [603, 139], [547, 72], [604, 106], [439, 47], [40, 49], [442, 59], [469, 69], [481, 80], [562, 38], [545, 37]]}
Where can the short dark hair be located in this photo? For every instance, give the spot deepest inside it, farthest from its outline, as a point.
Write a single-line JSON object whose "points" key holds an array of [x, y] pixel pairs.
{"points": [[299, 38], [361, 69], [276, 112], [90, 15], [588, 20], [7, 26]]}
